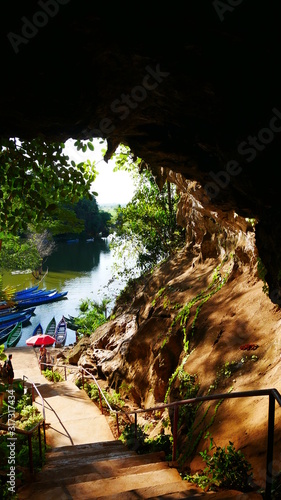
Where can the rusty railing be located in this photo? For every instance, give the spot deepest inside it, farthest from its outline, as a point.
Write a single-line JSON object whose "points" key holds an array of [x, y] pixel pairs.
{"points": [[273, 396]]}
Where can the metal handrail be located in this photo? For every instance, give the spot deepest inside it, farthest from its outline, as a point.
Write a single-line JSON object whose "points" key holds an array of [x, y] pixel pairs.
{"points": [[31, 431], [272, 393], [81, 369], [29, 436], [24, 377]]}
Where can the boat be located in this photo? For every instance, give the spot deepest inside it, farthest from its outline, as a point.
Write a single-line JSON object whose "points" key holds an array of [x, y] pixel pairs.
{"points": [[71, 323], [38, 330], [61, 332], [44, 299], [36, 293], [51, 327], [4, 332], [23, 318], [8, 310], [15, 316], [26, 290], [14, 335]]}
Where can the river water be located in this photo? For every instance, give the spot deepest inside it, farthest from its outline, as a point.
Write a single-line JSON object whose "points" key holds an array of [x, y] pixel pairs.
{"points": [[83, 269]]}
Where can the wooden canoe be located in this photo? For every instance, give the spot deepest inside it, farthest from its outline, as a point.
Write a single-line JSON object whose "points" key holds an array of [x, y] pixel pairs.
{"points": [[38, 330], [61, 332], [14, 335], [51, 327]]}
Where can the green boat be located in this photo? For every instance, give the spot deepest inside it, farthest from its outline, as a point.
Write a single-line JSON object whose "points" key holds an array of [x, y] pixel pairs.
{"points": [[51, 327], [14, 335]]}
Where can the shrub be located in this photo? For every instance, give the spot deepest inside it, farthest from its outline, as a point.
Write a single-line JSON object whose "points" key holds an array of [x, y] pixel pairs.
{"points": [[142, 444], [226, 468], [54, 376]]}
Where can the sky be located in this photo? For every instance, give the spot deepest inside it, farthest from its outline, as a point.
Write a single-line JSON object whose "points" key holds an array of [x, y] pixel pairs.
{"points": [[112, 187]]}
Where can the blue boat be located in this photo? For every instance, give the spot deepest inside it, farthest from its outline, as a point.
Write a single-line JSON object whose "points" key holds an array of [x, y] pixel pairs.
{"points": [[43, 299], [38, 330], [8, 310], [26, 290], [24, 319], [15, 316], [36, 293]]}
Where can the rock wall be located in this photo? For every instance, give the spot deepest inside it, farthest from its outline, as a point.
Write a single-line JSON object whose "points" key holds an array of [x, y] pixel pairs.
{"points": [[206, 320]]}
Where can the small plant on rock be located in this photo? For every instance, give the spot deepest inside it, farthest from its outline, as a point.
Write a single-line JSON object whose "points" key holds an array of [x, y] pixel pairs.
{"points": [[226, 468]]}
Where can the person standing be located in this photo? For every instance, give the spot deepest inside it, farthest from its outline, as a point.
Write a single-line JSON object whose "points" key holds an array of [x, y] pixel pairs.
{"points": [[10, 370], [43, 357]]}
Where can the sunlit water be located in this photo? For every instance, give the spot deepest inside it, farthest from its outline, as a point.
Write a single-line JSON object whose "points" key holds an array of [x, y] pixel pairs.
{"points": [[82, 269]]}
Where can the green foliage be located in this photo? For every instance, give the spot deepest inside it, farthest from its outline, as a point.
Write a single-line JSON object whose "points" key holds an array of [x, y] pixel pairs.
{"points": [[113, 397], [262, 272], [2, 353], [92, 220], [54, 376], [124, 159], [276, 487], [34, 177], [188, 389], [18, 254], [91, 317], [24, 401], [31, 417], [145, 231], [202, 297], [227, 369], [225, 468], [142, 444]]}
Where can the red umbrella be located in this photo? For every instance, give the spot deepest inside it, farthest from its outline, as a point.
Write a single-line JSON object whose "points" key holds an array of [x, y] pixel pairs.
{"points": [[40, 340]]}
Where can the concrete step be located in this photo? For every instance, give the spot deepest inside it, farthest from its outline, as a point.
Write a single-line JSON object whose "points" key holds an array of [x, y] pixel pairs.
{"points": [[71, 455], [109, 471], [101, 487], [175, 490], [82, 472]]}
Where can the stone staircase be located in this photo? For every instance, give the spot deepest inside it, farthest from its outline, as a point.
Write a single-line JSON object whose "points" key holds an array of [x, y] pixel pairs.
{"points": [[108, 470]]}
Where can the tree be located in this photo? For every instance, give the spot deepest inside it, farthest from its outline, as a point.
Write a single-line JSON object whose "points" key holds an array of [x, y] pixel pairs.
{"points": [[95, 221], [146, 229], [19, 254], [34, 177]]}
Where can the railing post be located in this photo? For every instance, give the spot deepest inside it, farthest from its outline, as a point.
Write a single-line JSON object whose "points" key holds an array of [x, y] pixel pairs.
{"points": [[44, 433], [136, 426], [101, 408], [65, 377], [82, 378], [32, 391], [175, 432], [39, 441], [30, 453], [270, 443], [117, 424]]}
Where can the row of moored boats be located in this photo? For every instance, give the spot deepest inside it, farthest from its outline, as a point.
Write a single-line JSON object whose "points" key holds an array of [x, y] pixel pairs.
{"points": [[17, 313]]}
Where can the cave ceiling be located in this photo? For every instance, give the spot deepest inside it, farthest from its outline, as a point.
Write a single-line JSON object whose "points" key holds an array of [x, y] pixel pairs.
{"points": [[192, 87]]}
